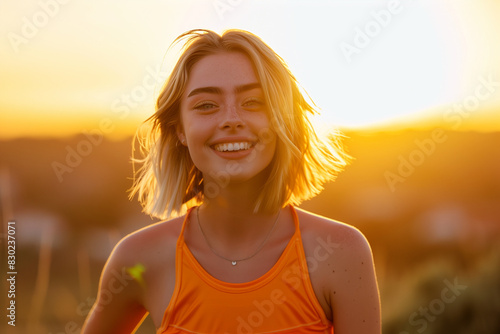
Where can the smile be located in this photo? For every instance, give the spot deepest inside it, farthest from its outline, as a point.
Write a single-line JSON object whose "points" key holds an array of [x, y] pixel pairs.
{"points": [[233, 147]]}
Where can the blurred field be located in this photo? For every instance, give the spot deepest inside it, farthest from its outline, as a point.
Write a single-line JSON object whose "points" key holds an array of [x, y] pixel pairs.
{"points": [[432, 218]]}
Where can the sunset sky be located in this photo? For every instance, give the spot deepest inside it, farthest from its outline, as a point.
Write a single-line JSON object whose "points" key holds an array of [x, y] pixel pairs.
{"points": [[71, 66]]}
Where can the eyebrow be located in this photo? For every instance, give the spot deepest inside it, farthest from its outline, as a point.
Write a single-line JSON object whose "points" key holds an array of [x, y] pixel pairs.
{"points": [[217, 90]]}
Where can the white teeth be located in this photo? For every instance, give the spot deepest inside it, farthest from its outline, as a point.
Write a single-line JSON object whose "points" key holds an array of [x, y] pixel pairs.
{"points": [[231, 147]]}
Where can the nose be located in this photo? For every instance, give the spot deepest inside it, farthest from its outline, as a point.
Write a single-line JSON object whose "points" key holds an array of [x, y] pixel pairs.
{"points": [[231, 117]]}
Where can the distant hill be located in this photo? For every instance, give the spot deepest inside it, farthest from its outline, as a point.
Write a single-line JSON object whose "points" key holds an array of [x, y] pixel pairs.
{"points": [[403, 188], [428, 202]]}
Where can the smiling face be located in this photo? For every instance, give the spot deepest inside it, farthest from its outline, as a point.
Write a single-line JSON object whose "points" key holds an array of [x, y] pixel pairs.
{"points": [[224, 118]]}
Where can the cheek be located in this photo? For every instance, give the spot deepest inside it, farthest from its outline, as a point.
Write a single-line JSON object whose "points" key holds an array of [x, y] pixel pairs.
{"points": [[260, 124], [197, 131], [267, 147], [271, 148], [267, 137]]}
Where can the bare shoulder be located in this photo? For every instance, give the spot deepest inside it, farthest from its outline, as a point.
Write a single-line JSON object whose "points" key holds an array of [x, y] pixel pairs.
{"points": [[146, 255], [340, 250], [134, 273], [343, 274], [148, 243], [315, 227]]}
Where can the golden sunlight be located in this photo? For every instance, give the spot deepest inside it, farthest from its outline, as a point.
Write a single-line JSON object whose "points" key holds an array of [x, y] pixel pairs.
{"points": [[72, 67]]}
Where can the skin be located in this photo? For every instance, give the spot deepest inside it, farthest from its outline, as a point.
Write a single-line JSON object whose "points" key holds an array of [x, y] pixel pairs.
{"points": [[343, 278]]}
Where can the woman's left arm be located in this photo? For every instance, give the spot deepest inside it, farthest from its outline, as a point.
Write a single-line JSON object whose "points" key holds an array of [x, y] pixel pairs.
{"points": [[353, 290]]}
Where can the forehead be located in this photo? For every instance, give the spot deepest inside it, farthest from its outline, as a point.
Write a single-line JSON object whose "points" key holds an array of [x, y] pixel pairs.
{"points": [[225, 70]]}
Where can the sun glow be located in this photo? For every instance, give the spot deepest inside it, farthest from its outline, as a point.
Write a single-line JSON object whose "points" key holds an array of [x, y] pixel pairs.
{"points": [[67, 68]]}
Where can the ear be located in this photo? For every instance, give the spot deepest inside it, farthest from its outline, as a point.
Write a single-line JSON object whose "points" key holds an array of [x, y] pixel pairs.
{"points": [[180, 135]]}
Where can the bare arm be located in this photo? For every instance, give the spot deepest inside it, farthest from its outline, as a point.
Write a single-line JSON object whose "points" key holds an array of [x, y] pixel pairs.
{"points": [[353, 291], [118, 308]]}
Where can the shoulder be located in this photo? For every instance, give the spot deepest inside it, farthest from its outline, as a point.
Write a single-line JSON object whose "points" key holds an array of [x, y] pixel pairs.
{"points": [[130, 273], [145, 244], [343, 272], [137, 256], [340, 252], [343, 236], [142, 257]]}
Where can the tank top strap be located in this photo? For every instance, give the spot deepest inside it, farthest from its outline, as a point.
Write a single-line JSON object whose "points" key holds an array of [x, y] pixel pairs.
{"points": [[178, 270]]}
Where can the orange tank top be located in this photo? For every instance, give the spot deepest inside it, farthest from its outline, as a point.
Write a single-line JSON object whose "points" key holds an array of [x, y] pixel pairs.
{"points": [[280, 301]]}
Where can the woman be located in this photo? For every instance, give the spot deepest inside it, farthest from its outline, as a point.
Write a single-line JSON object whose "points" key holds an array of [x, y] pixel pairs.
{"points": [[231, 143]]}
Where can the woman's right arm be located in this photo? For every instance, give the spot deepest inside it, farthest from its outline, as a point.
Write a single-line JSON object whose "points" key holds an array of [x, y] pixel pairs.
{"points": [[118, 308]]}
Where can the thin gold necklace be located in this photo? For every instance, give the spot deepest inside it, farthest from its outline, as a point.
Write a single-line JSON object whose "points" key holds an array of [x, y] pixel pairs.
{"points": [[234, 262]]}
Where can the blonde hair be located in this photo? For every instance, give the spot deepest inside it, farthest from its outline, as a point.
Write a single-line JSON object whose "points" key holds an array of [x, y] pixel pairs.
{"points": [[168, 182]]}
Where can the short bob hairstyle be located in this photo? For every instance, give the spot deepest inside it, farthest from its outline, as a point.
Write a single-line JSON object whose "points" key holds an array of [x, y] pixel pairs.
{"points": [[168, 182]]}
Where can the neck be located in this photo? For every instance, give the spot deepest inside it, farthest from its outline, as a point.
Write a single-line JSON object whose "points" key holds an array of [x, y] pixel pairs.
{"points": [[228, 215]]}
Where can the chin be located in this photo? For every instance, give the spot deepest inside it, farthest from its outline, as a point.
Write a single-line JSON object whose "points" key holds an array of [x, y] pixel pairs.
{"points": [[233, 173]]}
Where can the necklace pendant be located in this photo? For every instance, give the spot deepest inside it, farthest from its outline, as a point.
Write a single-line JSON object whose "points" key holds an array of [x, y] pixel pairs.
{"points": [[233, 263]]}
